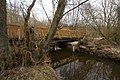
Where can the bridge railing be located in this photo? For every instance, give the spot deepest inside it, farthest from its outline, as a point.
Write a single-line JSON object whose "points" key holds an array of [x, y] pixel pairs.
{"points": [[65, 33], [16, 31]]}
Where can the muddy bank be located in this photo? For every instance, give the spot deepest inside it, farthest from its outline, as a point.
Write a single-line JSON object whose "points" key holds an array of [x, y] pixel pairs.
{"points": [[43, 72], [100, 51]]}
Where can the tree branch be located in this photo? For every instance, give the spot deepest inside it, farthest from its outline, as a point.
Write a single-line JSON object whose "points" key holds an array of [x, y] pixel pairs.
{"points": [[29, 9], [74, 7]]}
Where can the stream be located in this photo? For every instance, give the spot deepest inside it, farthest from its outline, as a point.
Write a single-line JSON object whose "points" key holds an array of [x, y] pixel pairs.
{"points": [[79, 66]]}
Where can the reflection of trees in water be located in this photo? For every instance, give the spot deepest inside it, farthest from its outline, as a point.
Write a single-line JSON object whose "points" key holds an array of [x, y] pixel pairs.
{"points": [[99, 71], [115, 74], [83, 69], [68, 71]]}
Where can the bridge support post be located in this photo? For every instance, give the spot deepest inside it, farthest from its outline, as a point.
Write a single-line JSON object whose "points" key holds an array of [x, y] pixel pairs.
{"points": [[73, 48], [74, 45]]}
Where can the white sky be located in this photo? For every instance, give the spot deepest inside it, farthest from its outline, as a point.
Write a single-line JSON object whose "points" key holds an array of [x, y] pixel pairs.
{"points": [[48, 7], [38, 11]]}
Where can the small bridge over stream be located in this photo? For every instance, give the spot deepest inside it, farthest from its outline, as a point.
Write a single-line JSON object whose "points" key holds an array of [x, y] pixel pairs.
{"points": [[62, 36]]}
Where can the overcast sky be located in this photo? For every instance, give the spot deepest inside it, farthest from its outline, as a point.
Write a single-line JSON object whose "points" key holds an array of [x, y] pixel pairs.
{"points": [[48, 7], [38, 11]]}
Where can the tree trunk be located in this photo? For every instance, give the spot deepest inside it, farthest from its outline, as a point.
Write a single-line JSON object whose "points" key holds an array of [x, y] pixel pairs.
{"points": [[26, 29], [118, 26], [55, 22], [3, 34]]}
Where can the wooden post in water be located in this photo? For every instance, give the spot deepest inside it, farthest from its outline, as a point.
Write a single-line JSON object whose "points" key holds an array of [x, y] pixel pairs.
{"points": [[19, 34], [74, 45], [73, 48]]}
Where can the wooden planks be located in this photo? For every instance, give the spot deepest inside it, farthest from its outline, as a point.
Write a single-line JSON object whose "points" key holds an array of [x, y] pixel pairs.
{"points": [[16, 31]]}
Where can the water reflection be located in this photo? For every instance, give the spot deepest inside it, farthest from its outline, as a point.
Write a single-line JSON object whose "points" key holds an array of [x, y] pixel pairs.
{"points": [[69, 66]]}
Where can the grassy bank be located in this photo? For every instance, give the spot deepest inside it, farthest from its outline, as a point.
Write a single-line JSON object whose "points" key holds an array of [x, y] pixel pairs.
{"points": [[41, 72]]}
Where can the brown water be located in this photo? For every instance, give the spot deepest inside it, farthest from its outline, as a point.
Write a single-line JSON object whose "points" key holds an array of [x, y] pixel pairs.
{"points": [[77, 66]]}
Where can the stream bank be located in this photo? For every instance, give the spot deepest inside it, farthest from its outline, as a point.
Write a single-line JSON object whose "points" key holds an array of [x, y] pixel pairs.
{"points": [[100, 50], [42, 72]]}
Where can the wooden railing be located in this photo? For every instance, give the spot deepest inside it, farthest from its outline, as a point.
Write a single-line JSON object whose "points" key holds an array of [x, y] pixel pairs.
{"points": [[16, 31]]}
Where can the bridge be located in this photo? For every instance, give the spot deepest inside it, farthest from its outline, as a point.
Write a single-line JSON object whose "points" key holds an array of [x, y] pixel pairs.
{"points": [[62, 37], [16, 31]]}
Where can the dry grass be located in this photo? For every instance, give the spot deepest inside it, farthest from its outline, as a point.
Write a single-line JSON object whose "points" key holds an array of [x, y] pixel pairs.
{"points": [[21, 56], [43, 72]]}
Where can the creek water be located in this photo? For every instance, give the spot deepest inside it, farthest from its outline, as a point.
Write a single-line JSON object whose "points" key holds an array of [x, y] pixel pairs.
{"points": [[79, 66]]}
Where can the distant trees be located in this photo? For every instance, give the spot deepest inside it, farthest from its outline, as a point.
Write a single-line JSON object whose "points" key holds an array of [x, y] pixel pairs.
{"points": [[4, 50], [102, 18], [117, 29], [15, 9], [13, 13]]}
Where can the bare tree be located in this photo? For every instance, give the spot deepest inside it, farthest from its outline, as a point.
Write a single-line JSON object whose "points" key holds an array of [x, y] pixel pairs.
{"points": [[102, 18], [26, 16], [4, 50], [56, 19]]}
